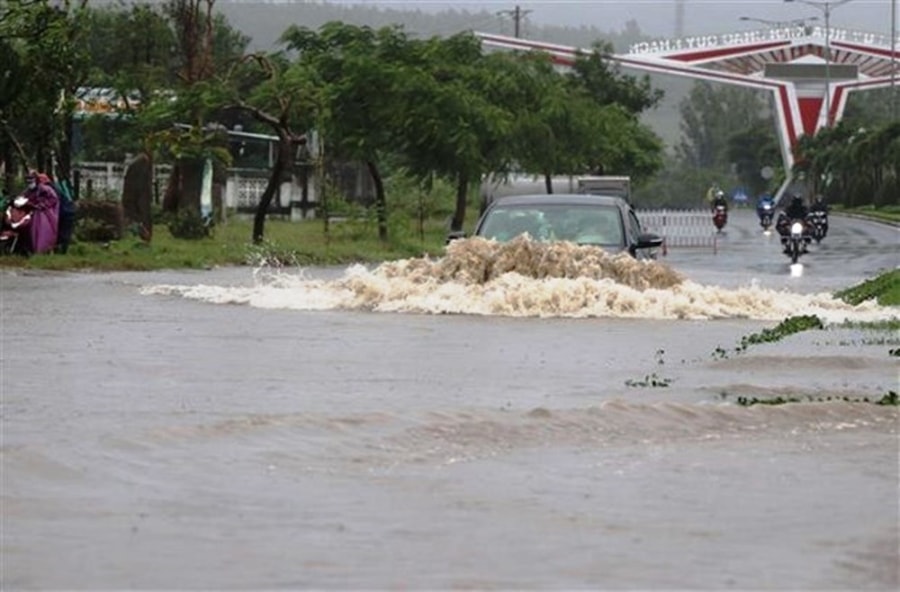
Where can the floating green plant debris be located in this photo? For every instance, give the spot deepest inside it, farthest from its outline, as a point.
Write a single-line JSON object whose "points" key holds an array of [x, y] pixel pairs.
{"points": [[649, 380], [889, 399], [788, 326]]}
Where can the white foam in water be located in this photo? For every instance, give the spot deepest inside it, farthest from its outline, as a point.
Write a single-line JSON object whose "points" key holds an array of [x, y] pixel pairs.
{"points": [[521, 279]]}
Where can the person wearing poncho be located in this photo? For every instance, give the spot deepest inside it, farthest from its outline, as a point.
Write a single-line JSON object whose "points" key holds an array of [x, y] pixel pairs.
{"points": [[44, 204]]}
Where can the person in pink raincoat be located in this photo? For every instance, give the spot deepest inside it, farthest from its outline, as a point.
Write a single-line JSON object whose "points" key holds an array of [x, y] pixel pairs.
{"points": [[44, 205]]}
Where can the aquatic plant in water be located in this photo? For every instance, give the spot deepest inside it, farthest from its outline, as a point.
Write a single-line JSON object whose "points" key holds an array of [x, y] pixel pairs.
{"points": [[890, 398]]}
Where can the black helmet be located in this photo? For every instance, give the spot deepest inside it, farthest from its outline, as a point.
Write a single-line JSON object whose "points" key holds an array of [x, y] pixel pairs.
{"points": [[797, 200]]}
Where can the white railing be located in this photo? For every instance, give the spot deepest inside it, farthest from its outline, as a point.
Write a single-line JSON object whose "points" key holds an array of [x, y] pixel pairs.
{"points": [[107, 178], [243, 187], [680, 228]]}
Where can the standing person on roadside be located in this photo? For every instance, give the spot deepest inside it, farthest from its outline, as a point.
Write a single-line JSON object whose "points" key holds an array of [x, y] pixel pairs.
{"points": [[66, 224]]}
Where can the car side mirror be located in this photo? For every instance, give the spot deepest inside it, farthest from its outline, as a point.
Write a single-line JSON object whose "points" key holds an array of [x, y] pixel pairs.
{"points": [[454, 235], [648, 240]]}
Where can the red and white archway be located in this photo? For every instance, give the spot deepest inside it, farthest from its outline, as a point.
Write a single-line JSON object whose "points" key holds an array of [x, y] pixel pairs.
{"points": [[790, 62]]}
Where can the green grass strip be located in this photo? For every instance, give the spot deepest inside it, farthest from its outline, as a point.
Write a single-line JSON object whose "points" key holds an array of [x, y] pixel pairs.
{"points": [[885, 289]]}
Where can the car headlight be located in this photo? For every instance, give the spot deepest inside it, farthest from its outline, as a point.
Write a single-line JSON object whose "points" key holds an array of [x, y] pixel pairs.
{"points": [[797, 228]]}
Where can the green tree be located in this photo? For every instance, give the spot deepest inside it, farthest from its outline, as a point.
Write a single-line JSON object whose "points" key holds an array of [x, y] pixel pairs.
{"points": [[710, 115], [458, 115], [132, 50], [585, 120], [185, 124], [42, 43], [604, 134], [750, 150], [361, 71], [557, 123], [133, 53], [850, 165], [606, 84], [287, 100], [872, 108]]}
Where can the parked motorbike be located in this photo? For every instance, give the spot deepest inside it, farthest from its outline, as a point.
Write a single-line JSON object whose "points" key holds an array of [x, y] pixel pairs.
{"points": [[14, 225], [720, 217], [818, 224]]}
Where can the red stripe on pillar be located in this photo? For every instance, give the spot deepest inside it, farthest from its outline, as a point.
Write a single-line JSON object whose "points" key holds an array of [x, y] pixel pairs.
{"points": [[810, 108]]}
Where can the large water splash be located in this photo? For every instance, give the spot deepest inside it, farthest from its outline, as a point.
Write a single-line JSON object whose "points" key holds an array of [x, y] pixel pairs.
{"points": [[525, 278]]}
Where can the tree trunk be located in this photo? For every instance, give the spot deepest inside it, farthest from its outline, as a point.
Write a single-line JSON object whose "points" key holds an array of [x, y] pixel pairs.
{"points": [[64, 158], [380, 201], [462, 191], [185, 185], [548, 182], [137, 195], [282, 164]]}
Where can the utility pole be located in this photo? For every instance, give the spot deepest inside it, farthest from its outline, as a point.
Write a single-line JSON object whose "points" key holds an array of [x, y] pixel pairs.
{"points": [[894, 59], [518, 15], [679, 19], [825, 6]]}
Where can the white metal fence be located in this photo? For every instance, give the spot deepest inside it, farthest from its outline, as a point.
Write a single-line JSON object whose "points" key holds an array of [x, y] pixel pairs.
{"points": [[243, 189], [107, 178], [681, 228]]}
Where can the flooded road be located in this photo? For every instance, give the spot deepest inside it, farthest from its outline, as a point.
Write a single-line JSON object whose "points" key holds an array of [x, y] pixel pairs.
{"points": [[451, 424]]}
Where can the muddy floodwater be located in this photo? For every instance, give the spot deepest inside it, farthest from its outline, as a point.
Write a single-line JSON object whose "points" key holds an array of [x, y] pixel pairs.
{"points": [[515, 417]]}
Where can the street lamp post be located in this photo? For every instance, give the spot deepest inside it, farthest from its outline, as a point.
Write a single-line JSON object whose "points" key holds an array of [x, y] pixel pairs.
{"points": [[825, 6]]}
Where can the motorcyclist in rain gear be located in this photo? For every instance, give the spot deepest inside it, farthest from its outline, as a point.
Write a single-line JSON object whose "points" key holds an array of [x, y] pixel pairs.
{"points": [[719, 200], [765, 210], [818, 216], [819, 205], [796, 211]]}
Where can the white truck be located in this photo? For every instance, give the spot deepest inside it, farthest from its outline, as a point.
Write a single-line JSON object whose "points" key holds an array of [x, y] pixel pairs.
{"points": [[518, 184]]}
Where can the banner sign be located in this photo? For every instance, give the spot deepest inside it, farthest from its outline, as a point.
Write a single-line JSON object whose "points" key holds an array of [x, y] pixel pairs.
{"points": [[761, 36]]}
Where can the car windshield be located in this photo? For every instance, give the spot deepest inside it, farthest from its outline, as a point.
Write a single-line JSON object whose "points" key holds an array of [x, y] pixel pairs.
{"points": [[584, 223]]}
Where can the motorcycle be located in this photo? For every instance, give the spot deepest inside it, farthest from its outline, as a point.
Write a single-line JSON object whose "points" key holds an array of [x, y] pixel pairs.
{"points": [[15, 221], [818, 224], [720, 217], [794, 237], [765, 211]]}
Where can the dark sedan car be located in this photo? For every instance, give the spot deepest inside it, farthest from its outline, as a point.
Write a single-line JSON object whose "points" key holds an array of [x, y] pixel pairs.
{"points": [[605, 221]]}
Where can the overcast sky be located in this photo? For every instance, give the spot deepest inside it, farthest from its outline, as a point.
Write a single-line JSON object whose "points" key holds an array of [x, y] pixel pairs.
{"points": [[657, 17]]}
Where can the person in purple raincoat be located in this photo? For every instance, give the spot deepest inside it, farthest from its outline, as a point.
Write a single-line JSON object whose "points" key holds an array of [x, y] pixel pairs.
{"points": [[44, 204]]}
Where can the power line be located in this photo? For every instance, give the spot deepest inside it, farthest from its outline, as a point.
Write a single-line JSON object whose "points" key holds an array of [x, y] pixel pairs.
{"points": [[518, 15]]}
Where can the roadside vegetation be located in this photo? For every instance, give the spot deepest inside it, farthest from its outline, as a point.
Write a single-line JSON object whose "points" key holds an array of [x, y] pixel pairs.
{"points": [[884, 288], [887, 213], [287, 243]]}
